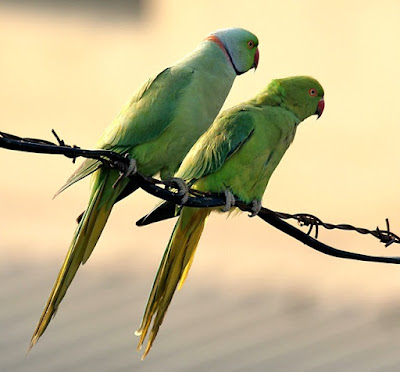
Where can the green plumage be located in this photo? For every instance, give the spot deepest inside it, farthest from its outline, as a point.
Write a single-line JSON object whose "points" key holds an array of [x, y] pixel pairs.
{"points": [[157, 127], [238, 153]]}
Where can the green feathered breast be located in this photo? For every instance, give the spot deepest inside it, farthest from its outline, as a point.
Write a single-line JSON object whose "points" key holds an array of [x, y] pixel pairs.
{"points": [[238, 154]]}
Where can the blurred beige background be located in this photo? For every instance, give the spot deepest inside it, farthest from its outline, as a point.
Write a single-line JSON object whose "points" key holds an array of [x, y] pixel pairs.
{"points": [[72, 69]]}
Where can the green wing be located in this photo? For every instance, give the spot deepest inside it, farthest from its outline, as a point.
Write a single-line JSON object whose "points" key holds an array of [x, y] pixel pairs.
{"points": [[146, 116], [230, 131], [150, 111]]}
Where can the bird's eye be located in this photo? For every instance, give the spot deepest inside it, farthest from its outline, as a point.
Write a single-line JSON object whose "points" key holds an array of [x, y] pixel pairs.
{"points": [[250, 44], [312, 92]]}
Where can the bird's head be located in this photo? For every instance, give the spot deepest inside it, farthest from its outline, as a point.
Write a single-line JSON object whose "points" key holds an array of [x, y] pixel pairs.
{"points": [[301, 94], [240, 46]]}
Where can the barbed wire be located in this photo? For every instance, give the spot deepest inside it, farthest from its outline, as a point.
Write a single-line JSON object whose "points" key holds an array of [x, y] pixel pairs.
{"points": [[305, 219], [199, 199]]}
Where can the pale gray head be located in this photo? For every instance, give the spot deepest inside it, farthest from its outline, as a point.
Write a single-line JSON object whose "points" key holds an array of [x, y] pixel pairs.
{"points": [[241, 47]]}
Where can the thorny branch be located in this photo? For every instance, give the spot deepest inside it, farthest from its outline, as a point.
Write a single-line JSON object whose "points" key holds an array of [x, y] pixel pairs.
{"points": [[200, 200]]}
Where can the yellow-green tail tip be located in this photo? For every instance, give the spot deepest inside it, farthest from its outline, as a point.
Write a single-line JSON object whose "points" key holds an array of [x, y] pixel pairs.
{"points": [[148, 347], [34, 339]]}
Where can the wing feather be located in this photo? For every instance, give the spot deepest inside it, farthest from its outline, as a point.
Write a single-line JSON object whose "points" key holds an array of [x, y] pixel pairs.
{"points": [[227, 135], [150, 111]]}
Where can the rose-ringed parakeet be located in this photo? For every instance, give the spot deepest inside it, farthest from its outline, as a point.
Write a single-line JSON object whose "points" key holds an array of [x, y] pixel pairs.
{"points": [[156, 128], [236, 156]]}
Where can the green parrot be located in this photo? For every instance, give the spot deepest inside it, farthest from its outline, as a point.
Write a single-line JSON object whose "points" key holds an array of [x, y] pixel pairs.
{"points": [[236, 156], [156, 128]]}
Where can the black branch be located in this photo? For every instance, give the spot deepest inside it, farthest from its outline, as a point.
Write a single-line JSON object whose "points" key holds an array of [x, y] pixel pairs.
{"points": [[203, 200]]}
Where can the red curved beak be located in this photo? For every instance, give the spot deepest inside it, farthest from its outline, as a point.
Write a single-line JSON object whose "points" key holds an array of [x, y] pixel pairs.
{"points": [[256, 58], [320, 107]]}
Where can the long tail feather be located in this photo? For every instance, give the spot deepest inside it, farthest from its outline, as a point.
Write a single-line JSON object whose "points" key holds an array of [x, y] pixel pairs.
{"points": [[173, 270], [85, 238]]}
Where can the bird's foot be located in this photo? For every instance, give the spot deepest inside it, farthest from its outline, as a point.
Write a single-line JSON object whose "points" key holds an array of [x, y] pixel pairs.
{"points": [[229, 201], [126, 171], [255, 208], [181, 186]]}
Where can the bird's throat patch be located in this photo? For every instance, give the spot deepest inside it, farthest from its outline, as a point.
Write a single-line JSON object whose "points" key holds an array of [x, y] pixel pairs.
{"points": [[221, 45]]}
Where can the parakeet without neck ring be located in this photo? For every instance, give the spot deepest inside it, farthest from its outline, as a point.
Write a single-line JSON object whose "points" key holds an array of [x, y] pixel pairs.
{"points": [[236, 156]]}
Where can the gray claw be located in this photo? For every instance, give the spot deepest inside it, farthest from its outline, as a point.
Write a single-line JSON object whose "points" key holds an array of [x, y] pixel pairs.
{"points": [[229, 201], [255, 208], [183, 189], [130, 169]]}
